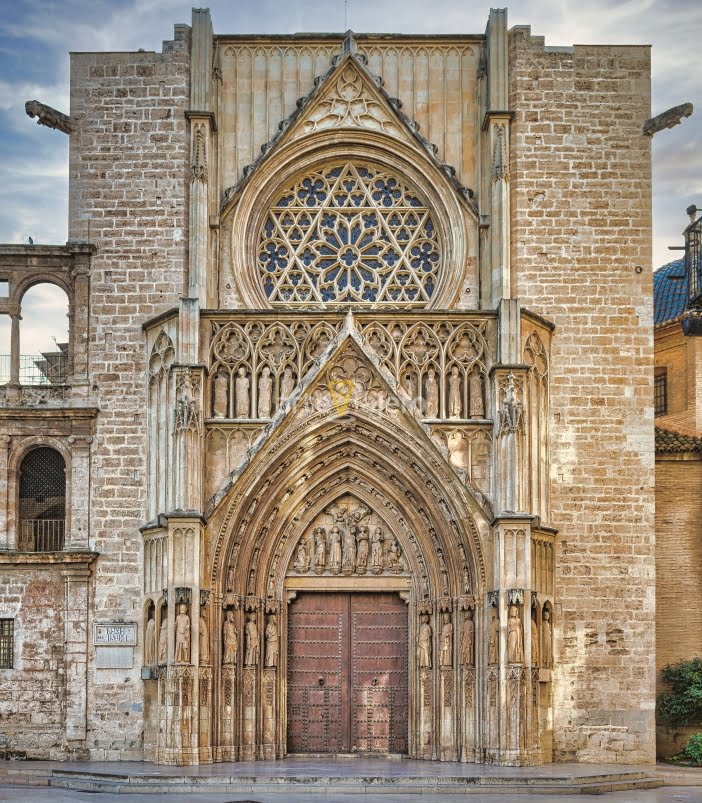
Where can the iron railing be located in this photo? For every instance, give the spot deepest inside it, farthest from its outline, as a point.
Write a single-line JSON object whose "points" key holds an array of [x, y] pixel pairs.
{"points": [[36, 369], [693, 261], [42, 535]]}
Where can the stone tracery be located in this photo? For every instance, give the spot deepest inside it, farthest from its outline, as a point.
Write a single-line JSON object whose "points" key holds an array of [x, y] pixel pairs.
{"points": [[349, 233]]}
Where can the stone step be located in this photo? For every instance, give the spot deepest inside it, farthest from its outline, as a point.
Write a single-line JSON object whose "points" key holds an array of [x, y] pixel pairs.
{"points": [[350, 784]]}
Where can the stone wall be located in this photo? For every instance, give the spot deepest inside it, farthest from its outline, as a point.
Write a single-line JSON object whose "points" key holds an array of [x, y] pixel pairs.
{"points": [[32, 699], [678, 558], [128, 195], [581, 252], [682, 358]]}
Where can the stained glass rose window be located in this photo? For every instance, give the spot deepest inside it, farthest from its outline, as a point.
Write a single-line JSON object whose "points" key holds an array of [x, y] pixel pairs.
{"points": [[349, 234]]}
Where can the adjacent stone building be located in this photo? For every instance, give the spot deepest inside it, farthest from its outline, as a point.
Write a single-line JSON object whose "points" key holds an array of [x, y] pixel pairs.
{"points": [[357, 421], [678, 409]]}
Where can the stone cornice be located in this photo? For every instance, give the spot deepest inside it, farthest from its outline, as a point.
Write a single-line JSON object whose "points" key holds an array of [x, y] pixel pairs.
{"points": [[67, 558]]}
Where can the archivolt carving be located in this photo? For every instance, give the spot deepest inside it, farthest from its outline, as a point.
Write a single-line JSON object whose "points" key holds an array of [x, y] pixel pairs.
{"points": [[384, 455]]}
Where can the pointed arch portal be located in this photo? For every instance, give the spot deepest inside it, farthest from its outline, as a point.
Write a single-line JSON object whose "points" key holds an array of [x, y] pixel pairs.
{"points": [[346, 520]]}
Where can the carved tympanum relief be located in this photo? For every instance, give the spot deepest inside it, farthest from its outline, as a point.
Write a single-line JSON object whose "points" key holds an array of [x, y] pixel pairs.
{"points": [[348, 538], [349, 233]]}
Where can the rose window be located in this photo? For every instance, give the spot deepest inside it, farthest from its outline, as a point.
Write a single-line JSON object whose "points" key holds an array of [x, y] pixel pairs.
{"points": [[349, 234]]}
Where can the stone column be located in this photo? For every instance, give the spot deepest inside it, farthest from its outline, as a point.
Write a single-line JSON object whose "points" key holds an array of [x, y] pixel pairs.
{"points": [[77, 600], [15, 348], [78, 534], [80, 309], [179, 680], [511, 737], [4, 496]]}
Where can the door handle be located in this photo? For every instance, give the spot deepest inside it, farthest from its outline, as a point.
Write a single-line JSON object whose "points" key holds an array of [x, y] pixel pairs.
{"points": [[320, 680], [375, 681]]}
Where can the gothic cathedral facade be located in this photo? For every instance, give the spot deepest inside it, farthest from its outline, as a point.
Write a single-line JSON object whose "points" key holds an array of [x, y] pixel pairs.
{"points": [[357, 428]]}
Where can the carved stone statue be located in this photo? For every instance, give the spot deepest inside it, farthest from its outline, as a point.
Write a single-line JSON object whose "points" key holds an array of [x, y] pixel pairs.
{"points": [[287, 384], [231, 639], [243, 402], [320, 550], [494, 642], [230, 579], [150, 641], [377, 551], [424, 643], [182, 636], [265, 393], [348, 554], [163, 638], [252, 644], [446, 649], [467, 640], [335, 550], [362, 539], [515, 637], [475, 390], [272, 642], [431, 407], [410, 385], [220, 407], [204, 641], [302, 556], [534, 643], [455, 405], [393, 555], [546, 639]]}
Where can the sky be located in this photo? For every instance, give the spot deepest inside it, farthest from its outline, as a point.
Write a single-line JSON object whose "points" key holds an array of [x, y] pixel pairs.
{"points": [[37, 35]]}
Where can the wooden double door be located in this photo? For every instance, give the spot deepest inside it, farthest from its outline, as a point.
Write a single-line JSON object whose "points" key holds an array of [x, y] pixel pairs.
{"points": [[347, 673]]}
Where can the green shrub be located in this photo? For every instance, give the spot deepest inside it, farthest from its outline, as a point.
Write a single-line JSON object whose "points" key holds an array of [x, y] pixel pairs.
{"points": [[683, 703], [692, 751]]}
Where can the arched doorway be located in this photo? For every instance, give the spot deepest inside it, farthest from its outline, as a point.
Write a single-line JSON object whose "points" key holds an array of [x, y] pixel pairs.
{"points": [[356, 477]]}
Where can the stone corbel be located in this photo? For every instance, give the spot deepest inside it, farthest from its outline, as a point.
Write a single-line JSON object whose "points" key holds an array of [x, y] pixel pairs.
{"points": [[466, 602], [204, 598], [493, 599], [252, 604], [230, 600]]}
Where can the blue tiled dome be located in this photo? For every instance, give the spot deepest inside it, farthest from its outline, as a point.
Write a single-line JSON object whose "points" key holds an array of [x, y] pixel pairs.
{"points": [[669, 292]]}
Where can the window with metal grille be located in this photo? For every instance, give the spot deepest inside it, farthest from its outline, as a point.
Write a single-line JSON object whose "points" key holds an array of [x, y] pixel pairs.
{"points": [[7, 643], [42, 501], [660, 392]]}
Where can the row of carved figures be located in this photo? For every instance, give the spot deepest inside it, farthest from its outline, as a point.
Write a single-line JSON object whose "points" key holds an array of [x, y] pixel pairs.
{"points": [[541, 643], [242, 392], [350, 550], [541, 648], [429, 402], [274, 390]]}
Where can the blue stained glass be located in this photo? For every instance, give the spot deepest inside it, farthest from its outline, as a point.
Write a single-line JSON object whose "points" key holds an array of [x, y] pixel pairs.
{"points": [[349, 258], [335, 172], [355, 280], [391, 258], [328, 220], [370, 221], [307, 257], [269, 227]]}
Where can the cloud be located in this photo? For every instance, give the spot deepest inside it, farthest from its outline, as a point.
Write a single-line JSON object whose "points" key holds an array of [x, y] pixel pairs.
{"points": [[36, 35]]}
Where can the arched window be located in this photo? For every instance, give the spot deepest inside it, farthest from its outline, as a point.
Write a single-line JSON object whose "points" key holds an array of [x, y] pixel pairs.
{"points": [[44, 344], [350, 233], [42, 501]]}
